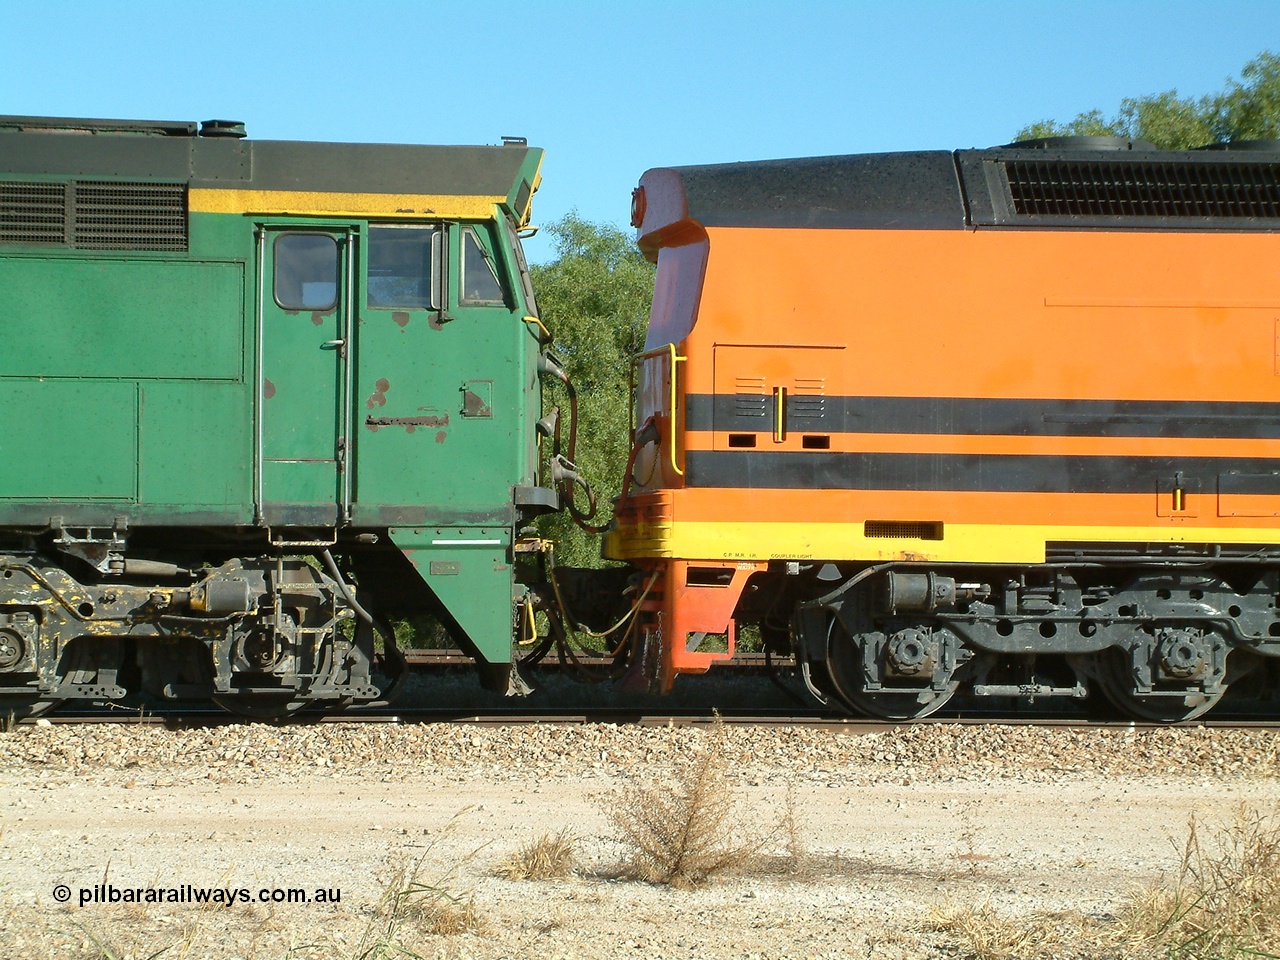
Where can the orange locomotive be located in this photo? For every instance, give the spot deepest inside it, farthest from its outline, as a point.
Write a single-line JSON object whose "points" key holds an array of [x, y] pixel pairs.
{"points": [[999, 420]]}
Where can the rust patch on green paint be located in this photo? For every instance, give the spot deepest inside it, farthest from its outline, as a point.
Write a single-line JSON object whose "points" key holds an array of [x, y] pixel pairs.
{"points": [[379, 396]]}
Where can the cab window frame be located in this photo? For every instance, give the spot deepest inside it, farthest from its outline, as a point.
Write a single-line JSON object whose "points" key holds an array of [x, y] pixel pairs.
{"points": [[481, 233], [302, 307], [436, 273], [524, 281]]}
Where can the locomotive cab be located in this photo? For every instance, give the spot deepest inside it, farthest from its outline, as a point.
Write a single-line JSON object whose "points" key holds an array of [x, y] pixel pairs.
{"points": [[276, 394]]}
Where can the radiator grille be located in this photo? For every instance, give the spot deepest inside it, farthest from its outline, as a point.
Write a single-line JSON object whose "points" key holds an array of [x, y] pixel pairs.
{"points": [[130, 216], [1133, 188], [903, 529], [95, 215], [33, 213]]}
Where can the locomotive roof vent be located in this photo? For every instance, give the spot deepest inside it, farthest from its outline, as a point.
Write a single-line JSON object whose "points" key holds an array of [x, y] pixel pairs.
{"points": [[84, 125], [1262, 146], [1081, 143], [1125, 187], [223, 128]]}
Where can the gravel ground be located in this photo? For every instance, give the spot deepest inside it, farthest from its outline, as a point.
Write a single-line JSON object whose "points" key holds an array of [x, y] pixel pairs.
{"points": [[886, 830]]}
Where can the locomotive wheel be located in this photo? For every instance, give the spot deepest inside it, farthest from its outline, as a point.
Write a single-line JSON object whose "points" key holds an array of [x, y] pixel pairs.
{"points": [[75, 658], [844, 664], [23, 707], [260, 706], [1111, 671]]}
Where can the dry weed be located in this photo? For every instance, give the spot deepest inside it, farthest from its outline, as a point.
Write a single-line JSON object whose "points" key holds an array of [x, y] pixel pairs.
{"points": [[795, 850], [428, 906], [412, 906], [550, 857], [983, 934], [790, 855], [99, 947], [682, 830], [1224, 902]]}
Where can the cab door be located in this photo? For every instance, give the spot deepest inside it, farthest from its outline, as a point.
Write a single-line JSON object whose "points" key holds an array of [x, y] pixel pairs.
{"points": [[304, 363]]}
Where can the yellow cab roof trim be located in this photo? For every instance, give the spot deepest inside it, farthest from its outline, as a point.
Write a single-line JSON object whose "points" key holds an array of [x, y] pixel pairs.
{"points": [[313, 203]]}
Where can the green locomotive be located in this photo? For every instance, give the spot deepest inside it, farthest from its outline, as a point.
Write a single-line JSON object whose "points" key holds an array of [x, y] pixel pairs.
{"points": [[259, 396]]}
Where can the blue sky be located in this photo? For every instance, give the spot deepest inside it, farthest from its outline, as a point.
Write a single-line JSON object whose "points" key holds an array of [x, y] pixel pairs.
{"points": [[610, 89]]}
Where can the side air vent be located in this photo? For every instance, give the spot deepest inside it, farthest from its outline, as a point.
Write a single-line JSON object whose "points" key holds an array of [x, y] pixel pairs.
{"points": [[33, 213], [903, 529], [1134, 188], [130, 216], [91, 215]]}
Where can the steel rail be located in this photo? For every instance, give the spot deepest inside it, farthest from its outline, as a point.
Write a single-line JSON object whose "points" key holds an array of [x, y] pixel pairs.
{"points": [[624, 717]]}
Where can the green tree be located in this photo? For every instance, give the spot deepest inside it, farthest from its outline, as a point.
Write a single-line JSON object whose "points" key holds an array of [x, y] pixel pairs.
{"points": [[594, 296], [1248, 109]]}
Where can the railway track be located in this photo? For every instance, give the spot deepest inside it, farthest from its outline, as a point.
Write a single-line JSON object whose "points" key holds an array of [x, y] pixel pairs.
{"points": [[741, 692], [620, 717], [427, 658]]}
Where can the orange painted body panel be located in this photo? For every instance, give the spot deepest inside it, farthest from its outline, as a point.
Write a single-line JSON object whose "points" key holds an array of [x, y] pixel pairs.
{"points": [[1002, 313], [1026, 315], [764, 320]]}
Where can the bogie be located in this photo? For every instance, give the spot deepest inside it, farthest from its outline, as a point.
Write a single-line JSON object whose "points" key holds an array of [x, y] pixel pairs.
{"points": [[1160, 646], [261, 637]]}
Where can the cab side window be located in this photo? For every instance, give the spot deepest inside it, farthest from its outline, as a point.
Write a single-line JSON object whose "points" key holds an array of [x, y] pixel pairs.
{"points": [[404, 267], [480, 283], [306, 271]]}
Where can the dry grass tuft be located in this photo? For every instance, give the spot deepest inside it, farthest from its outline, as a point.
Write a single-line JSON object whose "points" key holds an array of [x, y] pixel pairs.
{"points": [[412, 906], [681, 831], [1224, 902], [426, 906], [550, 857], [983, 934], [794, 850]]}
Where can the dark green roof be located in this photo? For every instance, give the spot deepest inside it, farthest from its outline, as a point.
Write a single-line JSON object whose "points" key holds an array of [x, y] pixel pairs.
{"points": [[172, 151]]}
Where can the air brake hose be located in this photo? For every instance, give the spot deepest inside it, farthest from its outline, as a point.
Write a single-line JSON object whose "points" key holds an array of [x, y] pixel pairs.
{"points": [[327, 558], [388, 634], [549, 364]]}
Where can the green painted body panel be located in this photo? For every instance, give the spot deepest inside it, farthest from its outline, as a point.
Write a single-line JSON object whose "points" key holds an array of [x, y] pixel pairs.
{"points": [[169, 388], [194, 435], [134, 369], [444, 410], [469, 571], [100, 465], [303, 368], [132, 319]]}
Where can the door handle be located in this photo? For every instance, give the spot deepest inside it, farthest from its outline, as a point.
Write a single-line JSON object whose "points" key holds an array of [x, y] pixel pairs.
{"points": [[339, 345]]}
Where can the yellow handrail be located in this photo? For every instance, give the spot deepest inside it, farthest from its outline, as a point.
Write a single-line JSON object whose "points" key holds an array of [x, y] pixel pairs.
{"points": [[541, 326], [670, 350]]}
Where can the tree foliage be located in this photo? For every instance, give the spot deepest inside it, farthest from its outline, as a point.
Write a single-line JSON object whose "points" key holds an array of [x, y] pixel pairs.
{"points": [[1247, 109], [594, 296]]}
